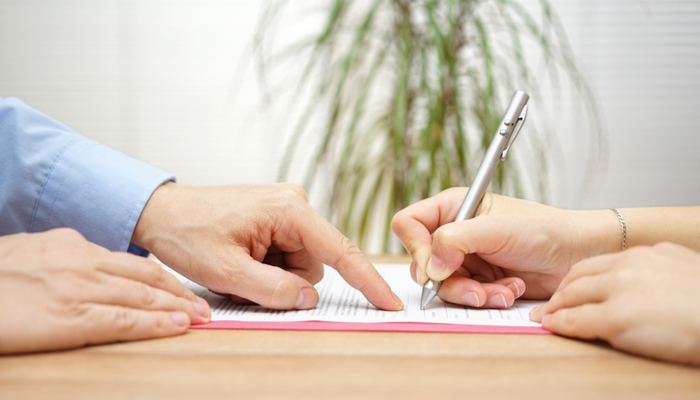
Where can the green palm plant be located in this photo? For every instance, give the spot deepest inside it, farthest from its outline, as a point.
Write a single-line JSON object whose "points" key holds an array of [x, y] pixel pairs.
{"points": [[413, 91]]}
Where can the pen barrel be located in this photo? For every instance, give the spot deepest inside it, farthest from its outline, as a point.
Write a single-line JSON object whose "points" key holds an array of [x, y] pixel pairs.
{"points": [[483, 178], [492, 157]]}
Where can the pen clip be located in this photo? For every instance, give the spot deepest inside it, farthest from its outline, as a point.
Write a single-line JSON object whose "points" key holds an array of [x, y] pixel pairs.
{"points": [[514, 133]]}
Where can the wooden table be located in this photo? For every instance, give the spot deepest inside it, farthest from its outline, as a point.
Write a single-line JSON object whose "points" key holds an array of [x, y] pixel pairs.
{"points": [[206, 364]]}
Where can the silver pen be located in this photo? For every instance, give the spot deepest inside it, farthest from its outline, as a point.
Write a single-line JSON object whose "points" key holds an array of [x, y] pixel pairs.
{"points": [[508, 129]]}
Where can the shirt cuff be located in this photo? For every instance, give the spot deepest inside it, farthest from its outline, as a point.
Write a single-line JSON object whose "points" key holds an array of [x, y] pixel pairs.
{"points": [[98, 191]]}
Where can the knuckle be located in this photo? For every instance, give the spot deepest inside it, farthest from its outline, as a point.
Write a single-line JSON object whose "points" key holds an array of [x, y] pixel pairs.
{"points": [[567, 320], [283, 294], [146, 296], [614, 325], [124, 321], [159, 323], [316, 275], [70, 281], [347, 248], [187, 294], [574, 271], [285, 203], [564, 297], [583, 265], [397, 221], [572, 323], [76, 310], [64, 287], [295, 191], [445, 237], [624, 275], [156, 275], [563, 321]]}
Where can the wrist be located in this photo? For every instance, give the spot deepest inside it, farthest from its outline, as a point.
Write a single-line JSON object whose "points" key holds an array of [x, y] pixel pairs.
{"points": [[599, 232], [149, 224]]}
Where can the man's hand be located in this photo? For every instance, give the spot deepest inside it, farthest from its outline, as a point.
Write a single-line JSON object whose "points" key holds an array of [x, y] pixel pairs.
{"points": [[261, 243], [643, 300], [59, 291], [511, 248]]}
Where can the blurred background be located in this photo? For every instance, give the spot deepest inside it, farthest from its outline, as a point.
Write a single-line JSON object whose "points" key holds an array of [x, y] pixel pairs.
{"points": [[174, 83]]}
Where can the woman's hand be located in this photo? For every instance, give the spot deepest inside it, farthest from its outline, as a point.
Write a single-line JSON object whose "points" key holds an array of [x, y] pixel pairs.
{"points": [[260, 243], [59, 291], [511, 248], [644, 301]]}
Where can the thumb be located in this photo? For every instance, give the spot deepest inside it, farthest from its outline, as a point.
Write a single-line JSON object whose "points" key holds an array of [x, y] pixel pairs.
{"points": [[452, 241], [274, 287]]}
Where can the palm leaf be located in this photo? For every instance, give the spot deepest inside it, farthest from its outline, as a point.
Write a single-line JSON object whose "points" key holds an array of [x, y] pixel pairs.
{"points": [[412, 92]]}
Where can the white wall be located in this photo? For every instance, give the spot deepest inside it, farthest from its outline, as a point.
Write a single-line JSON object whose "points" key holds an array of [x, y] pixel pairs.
{"points": [[150, 78], [643, 59], [153, 78]]}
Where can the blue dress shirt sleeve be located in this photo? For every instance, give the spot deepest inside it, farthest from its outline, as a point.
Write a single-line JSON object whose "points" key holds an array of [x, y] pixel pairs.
{"points": [[50, 177]]}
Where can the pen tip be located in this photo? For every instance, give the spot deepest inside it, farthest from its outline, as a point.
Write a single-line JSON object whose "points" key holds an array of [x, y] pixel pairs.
{"points": [[422, 308]]}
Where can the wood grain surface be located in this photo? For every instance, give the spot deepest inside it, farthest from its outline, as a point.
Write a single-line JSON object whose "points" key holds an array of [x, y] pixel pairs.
{"points": [[216, 364]]}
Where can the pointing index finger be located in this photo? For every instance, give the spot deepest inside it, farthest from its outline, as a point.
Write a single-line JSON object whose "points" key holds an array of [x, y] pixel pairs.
{"points": [[323, 241]]}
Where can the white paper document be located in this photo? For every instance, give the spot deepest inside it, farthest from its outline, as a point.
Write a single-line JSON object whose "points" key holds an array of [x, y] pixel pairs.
{"points": [[339, 302]]}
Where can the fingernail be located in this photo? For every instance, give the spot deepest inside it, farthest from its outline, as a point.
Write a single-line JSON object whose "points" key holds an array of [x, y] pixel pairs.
{"points": [[421, 260], [201, 306], [545, 318], [421, 274], [533, 312], [498, 300], [514, 288], [180, 319], [471, 299], [436, 267], [398, 299], [300, 299], [305, 300]]}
